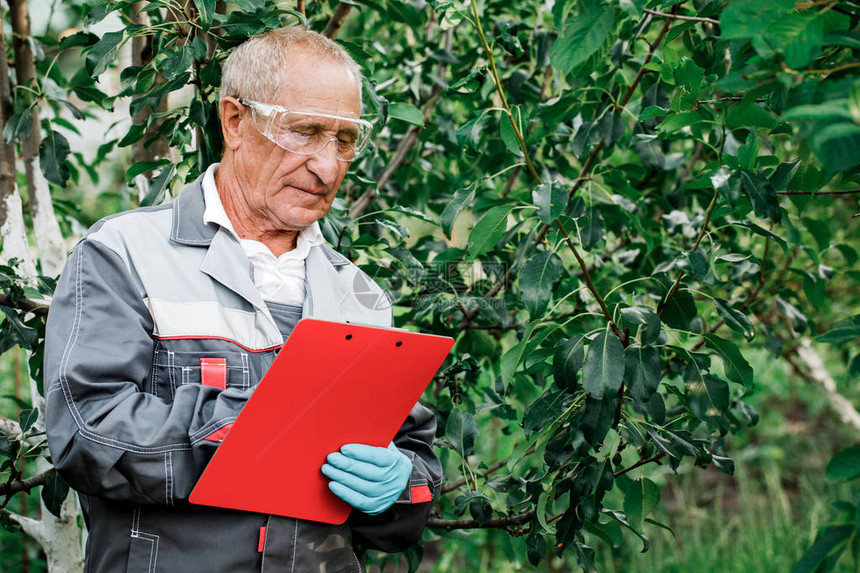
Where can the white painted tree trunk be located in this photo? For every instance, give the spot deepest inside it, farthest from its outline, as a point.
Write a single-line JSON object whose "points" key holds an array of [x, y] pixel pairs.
{"points": [[840, 404], [14, 234], [61, 538], [46, 229]]}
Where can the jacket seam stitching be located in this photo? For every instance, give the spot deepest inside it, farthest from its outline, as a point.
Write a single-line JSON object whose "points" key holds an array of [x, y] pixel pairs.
{"points": [[67, 393]]}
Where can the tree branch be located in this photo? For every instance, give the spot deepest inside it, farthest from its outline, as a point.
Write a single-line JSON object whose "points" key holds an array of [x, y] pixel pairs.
{"points": [[586, 167], [37, 307], [842, 192], [337, 19], [640, 463], [679, 17], [11, 488], [406, 144], [32, 527], [701, 236], [587, 276], [498, 82], [497, 523]]}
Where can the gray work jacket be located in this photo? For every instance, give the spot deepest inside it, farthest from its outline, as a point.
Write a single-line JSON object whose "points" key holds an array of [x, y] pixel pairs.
{"points": [[144, 296]]}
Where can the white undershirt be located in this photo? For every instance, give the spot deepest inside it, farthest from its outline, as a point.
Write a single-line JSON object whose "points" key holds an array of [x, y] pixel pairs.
{"points": [[279, 279]]}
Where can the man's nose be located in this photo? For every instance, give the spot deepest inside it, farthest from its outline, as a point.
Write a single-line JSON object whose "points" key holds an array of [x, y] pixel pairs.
{"points": [[325, 163]]}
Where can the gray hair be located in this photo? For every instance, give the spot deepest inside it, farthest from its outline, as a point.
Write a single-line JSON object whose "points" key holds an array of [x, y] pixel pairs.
{"points": [[257, 67]]}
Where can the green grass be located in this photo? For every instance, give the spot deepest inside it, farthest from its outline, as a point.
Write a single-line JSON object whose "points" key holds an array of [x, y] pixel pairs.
{"points": [[756, 522]]}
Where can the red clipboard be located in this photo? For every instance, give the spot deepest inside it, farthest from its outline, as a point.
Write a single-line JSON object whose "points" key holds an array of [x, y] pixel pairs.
{"points": [[331, 384]]}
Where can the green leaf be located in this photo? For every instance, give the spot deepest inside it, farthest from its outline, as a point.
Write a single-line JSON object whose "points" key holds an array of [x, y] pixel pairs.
{"points": [[797, 318], [79, 39], [158, 186], [461, 429], [633, 7], [506, 127], [462, 198], [177, 63], [678, 311], [642, 371], [27, 418], [543, 410], [825, 111], [489, 230], [734, 319], [689, 76], [19, 126], [550, 199], [399, 230], [843, 38], [645, 317], [844, 465], [854, 368], [597, 417], [143, 167], [568, 359], [512, 358], [206, 9], [415, 213], [604, 366], [803, 39], [536, 279], [728, 184], [583, 35], [762, 195], [53, 152], [406, 112], [736, 367], [837, 145], [708, 397], [761, 231], [641, 498], [744, 19], [412, 265], [98, 12], [750, 115], [54, 493], [829, 545], [842, 331], [103, 53]]}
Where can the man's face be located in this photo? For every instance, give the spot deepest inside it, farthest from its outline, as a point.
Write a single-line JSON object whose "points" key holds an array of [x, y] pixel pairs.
{"points": [[282, 190]]}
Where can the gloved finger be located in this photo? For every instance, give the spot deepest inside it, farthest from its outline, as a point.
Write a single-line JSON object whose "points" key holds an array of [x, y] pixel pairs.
{"points": [[361, 485], [365, 470], [358, 500], [382, 457]]}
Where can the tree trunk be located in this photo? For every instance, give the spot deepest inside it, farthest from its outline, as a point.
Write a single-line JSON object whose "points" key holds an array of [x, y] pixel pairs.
{"points": [[49, 238], [12, 228], [818, 373], [60, 538]]}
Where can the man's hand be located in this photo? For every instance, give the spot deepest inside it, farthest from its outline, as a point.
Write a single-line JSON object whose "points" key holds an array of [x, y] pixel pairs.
{"points": [[368, 478]]}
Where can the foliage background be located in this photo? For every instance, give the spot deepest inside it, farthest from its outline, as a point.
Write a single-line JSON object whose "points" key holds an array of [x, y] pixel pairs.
{"points": [[637, 217]]}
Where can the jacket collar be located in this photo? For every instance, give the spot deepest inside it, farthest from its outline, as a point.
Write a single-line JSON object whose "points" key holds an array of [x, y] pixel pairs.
{"points": [[189, 229]]}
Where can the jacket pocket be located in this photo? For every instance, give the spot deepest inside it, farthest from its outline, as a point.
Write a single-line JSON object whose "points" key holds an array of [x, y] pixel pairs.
{"points": [[142, 553], [218, 367]]}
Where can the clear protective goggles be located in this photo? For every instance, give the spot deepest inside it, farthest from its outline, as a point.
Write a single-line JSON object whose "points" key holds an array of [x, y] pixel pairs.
{"points": [[308, 132]]}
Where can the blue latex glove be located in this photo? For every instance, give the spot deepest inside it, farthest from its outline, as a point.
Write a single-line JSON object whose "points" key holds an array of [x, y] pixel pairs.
{"points": [[366, 477]]}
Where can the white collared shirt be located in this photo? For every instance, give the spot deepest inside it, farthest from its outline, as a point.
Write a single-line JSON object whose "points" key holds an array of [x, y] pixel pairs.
{"points": [[279, 279]]}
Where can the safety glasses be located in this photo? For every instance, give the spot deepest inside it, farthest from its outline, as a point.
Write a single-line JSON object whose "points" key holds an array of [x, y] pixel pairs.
{"points": [[308, 132]]}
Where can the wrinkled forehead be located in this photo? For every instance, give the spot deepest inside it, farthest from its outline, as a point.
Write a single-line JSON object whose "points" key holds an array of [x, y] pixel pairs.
{"points": [[310, 83]]}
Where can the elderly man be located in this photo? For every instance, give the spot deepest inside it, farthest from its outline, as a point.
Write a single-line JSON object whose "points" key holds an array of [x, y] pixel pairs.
{"points": [[166, 318]]}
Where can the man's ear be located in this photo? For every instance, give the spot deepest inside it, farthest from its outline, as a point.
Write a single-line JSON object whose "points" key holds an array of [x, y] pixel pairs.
{"points": [[231, 113]]}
